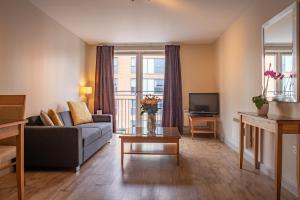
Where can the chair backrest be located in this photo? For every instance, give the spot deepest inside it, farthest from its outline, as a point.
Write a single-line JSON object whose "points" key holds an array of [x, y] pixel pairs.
{"points": [[12, 107]]}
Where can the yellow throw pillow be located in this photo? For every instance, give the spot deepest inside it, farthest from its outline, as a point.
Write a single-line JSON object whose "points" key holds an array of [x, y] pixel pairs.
{"points": [[79, 112], [46, 119], [55, 118]]}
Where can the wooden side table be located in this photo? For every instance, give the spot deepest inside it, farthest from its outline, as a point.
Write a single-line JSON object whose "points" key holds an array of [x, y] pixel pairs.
{"points": [[211, 127]]}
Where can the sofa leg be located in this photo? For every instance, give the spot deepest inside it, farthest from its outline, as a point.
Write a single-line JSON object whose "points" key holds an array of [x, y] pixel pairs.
{"points": [[77, 169]]}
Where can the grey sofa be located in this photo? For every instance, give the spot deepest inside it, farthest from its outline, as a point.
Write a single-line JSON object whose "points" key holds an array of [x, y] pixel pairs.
{"points": [[64, 147]]}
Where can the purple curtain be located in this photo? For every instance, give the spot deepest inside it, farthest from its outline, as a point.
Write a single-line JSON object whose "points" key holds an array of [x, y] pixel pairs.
{"points": [[172, 114], [104, 82]]}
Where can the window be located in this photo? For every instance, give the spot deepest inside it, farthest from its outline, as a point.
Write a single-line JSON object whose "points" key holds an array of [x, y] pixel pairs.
{"points": [[288, 84], [154, 65], [287, 62], [280, 62], [148, 85], [116, 63], [132, 123], [116, 84], [158, 86], [133, 107], [132, 71], [133, 65], [159, 66], [133, 85]]}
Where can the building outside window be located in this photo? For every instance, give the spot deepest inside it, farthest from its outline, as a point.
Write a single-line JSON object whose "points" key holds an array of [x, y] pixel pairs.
{"points": [[132, 123], [133, 85], [159, 66], [158, 86], [116, 64], [154, 65], [133, 65], [116, 84], [133, 108]]}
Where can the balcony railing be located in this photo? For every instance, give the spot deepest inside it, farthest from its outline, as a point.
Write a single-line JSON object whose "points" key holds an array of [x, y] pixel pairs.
{"points": [[128, 110]]}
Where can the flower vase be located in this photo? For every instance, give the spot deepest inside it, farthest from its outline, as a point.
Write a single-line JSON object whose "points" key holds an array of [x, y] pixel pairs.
{"points": [[263, 111], [151, 123]]}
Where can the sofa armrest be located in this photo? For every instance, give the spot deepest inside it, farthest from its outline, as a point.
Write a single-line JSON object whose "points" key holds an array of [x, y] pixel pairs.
{"points": [[52, 146], [102, 118]]}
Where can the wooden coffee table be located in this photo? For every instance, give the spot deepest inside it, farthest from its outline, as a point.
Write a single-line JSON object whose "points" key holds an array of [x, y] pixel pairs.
{"points": [[168, 136]]}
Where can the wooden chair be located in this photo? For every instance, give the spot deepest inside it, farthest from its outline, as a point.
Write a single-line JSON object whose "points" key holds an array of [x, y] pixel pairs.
{"points": [[12, 108]]}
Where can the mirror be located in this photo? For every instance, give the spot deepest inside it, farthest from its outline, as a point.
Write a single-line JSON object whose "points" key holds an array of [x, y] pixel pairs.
{"points": [[280, 56]]}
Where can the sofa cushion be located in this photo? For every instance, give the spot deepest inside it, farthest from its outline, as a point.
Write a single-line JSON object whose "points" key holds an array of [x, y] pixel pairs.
{"points": [[46, 119], [55, 118], [79, 112], [66, 117], [34, 121], [105, 127], [89, 135]]}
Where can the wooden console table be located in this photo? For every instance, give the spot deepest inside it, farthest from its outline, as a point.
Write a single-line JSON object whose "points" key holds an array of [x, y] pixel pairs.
{"points": [[278, 126], [206, 130]]}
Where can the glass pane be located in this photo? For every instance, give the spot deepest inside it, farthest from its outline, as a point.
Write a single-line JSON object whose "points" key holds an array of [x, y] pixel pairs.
{"points": [[153, 81], [287, 63], [288, 82], [125, 91], [270, 64]]}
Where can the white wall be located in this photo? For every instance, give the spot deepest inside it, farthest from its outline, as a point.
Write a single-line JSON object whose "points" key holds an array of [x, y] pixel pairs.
{"points": [[238, 53], [38, 57]]}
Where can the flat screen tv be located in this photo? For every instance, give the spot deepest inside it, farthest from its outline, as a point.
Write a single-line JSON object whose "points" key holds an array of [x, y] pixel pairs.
{"points": [[204, 103]]}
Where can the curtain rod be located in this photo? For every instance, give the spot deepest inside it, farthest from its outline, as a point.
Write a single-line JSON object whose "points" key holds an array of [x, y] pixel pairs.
{"points": [[136, 44]]}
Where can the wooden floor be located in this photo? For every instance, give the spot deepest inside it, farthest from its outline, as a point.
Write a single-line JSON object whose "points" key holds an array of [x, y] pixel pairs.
{"points": [[208, 170]]}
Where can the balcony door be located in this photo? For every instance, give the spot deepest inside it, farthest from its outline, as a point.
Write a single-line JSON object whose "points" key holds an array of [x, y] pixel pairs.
{"points": [[136, 75]]}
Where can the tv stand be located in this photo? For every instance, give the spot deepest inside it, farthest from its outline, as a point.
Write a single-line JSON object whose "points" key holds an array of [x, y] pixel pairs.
{"points": [[211, 127]]}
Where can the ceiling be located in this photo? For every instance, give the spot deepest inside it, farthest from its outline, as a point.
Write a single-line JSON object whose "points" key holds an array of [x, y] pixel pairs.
{"points": [[144, 21]]}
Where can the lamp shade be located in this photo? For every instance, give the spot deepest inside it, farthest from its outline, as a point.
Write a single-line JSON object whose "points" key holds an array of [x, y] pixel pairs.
{"points": [[86, 90]]}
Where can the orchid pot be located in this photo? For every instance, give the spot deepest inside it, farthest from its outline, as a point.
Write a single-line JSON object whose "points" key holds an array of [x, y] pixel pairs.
{"points": [[264, 110], [261, 104]]}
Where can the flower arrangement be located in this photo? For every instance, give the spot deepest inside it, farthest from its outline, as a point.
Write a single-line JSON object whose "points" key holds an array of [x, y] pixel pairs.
{"points": [[271, 74], [149, 104], [261, 99]]}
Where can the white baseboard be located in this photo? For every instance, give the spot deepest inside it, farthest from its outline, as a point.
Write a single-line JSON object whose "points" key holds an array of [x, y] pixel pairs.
{"points": [[286, 184]]}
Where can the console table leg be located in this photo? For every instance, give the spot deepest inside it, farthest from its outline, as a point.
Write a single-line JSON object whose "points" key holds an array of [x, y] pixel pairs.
{"points": [[278, 161], [241, 142], [298, 163], [256, 142], [122, 153]]}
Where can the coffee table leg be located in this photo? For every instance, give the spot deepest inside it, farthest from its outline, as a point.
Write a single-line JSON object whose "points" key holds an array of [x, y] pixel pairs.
{"points": [[177, 155], [122, 152]]}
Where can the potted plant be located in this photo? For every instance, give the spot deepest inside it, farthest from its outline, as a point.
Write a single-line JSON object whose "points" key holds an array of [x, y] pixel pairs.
{"points": [[261, 101], [149, 105], [261, 104]]}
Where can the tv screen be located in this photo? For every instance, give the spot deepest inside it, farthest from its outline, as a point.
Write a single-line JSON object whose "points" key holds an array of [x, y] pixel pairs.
{"points": [[204, 103]]}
